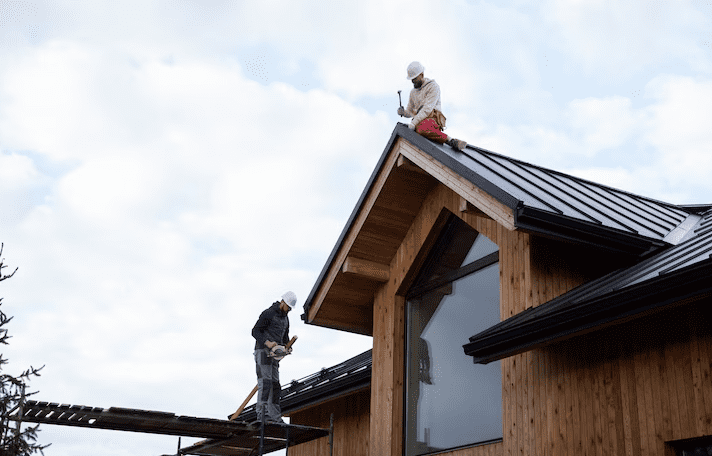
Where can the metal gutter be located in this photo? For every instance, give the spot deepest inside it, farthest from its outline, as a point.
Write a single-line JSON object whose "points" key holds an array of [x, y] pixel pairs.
{"points": [[598, 235], [582, 316]]}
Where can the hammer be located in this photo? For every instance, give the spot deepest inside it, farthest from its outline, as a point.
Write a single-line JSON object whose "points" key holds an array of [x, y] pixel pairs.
{"points": [[400, 103]]}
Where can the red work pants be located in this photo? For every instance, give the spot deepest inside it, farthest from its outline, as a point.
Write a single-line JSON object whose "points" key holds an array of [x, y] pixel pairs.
{"points": [[430, 129]]}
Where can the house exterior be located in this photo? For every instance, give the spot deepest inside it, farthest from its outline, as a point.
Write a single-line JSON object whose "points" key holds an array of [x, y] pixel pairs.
{"points": [[514, 310]]}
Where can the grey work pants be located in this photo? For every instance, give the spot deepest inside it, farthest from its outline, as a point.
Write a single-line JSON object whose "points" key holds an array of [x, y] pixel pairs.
{"points": [[268, 386]]}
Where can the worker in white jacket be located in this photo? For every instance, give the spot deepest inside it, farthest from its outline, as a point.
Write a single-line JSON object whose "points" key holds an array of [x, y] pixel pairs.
{"points": [[424, 108]]}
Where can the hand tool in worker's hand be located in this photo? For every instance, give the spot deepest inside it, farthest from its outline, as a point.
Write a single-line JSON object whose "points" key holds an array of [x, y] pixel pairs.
{"points": [[288, 349], [278, 352], [400, 103]]}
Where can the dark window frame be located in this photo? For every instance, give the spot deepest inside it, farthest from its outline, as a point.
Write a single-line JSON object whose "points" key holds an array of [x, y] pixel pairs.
{"points": [[416, 290]]}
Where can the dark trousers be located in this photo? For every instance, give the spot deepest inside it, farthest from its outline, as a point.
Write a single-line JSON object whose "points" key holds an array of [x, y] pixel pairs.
{"points": [[268, 386]]}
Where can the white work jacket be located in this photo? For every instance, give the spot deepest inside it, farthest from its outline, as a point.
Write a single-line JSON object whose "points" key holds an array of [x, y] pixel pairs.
{"points": [[423, 101]]}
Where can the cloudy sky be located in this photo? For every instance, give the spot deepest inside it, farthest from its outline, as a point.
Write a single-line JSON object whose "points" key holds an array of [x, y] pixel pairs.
{"points": [[169, 168]]}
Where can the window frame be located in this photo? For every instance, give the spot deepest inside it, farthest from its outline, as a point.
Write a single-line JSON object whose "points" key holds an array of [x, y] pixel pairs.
{"points": [[416, 290]]}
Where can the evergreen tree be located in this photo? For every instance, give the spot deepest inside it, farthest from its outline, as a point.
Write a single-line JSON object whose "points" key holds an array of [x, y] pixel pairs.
{"points": [[14, 441]]}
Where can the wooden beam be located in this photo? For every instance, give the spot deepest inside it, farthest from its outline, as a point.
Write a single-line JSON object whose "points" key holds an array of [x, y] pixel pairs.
{"points": [[479, 198], [367, 269], [348, 241], [404, 163], [468, 208]]}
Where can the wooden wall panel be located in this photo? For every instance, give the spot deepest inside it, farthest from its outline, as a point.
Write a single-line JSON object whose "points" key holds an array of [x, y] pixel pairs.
{"points": [[608, 393], [351, 426], [389, 320], [624, 390]]}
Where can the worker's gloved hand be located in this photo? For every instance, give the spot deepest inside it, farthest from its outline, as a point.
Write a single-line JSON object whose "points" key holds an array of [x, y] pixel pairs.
{"points": [[401, 111], [278, 352], [411, 126]]}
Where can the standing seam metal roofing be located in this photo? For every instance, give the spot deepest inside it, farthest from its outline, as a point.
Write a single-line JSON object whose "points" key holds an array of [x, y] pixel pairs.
{"points": [[343, 378], [691, 260], [543, 200], [553, 192]]}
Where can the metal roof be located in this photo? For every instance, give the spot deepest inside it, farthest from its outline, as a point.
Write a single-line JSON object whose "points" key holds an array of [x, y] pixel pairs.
{"points": [[679, 272], [553, 202], [547, 202], [346, 377]]}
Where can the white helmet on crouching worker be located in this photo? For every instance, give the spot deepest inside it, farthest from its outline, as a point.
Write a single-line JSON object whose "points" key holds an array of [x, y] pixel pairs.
{"points": [[414, 69], [290, 299]]}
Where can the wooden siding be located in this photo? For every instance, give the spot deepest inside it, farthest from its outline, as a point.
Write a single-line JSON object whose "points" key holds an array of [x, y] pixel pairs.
{"points": [[571, 398], [538, 408], [627, 389], [389, 320], [351, 426]]}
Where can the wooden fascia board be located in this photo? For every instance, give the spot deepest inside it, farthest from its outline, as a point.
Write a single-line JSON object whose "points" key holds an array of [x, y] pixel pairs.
{"points": [[366, 269], [494, 209], [344, 249]]}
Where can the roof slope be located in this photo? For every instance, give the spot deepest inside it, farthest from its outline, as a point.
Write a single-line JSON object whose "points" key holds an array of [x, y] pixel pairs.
{"points": [[329, 383], [561, 205], [543, 202], [680, 272]]}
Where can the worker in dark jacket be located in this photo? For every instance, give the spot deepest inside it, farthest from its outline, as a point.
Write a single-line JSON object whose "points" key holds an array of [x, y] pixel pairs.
{"points": [[270, 331]]}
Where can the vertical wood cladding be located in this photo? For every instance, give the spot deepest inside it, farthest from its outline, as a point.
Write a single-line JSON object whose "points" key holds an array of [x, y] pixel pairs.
{"points": [[389, 322], [626, 390], [351, 426], [593, 395]]}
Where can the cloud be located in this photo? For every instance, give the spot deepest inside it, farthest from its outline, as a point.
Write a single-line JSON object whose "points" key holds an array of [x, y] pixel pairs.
{"points": [[188, 198], [614, 40], [679, 127], [170, 168], [602, 123]]}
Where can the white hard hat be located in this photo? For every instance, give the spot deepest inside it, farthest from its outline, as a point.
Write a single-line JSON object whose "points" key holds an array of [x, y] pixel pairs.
{"points": [[290, 299], [414, 69]]}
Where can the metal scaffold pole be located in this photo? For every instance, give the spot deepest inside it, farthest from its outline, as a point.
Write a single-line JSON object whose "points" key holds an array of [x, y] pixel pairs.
{"points": [[262, 431], [331, 435]]}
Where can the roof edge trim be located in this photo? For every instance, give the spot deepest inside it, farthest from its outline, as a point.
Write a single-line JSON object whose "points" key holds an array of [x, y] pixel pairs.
{"points": [[589, 315], [349, 224]]}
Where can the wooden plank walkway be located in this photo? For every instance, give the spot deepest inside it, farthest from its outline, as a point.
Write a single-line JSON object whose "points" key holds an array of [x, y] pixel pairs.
{"points": [[224, 437]]}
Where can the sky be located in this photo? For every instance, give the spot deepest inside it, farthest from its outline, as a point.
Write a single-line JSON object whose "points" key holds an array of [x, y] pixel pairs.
{"points": [[169, 168]]}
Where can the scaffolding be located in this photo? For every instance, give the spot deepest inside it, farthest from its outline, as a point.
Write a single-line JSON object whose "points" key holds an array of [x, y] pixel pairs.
{"points": [[224, 438]]}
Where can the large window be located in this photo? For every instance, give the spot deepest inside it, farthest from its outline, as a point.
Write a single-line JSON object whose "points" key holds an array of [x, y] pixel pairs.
{"points": [[450, 401]]}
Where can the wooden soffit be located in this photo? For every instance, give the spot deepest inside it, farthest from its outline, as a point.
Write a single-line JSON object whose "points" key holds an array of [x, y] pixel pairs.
{"points": [[342, 298]]}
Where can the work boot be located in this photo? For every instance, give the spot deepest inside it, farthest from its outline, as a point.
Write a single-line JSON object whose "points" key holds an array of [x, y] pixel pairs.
{"points": [[457, 144]]}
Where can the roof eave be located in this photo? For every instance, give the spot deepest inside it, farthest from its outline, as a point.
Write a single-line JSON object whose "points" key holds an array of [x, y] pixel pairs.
{"points": [[402, 131], [349, 223], [632, 302], [566, 228]]}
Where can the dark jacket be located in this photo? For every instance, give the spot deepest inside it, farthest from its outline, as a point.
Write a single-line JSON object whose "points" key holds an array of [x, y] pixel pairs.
{"points": [[273, 325]]}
